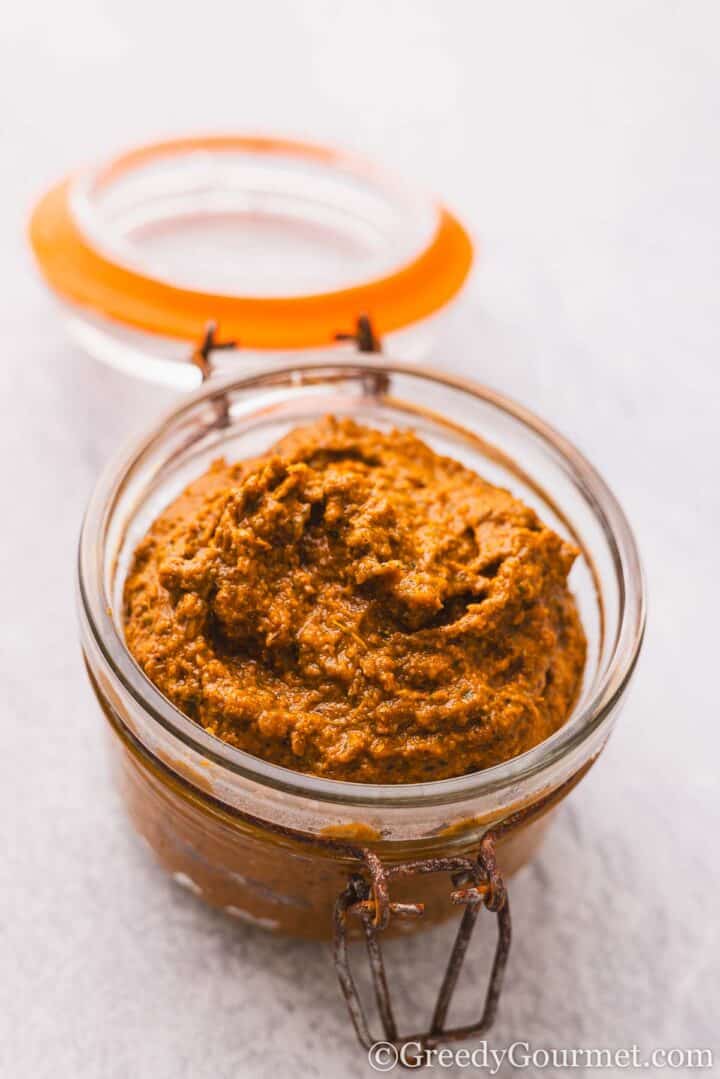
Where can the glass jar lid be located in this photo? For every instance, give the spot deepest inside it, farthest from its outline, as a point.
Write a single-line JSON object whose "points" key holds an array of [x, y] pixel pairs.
{"points": [[282, 244]]}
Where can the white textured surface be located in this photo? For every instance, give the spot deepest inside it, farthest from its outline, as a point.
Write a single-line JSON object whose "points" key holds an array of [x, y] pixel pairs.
{"points": [[580, 141]]}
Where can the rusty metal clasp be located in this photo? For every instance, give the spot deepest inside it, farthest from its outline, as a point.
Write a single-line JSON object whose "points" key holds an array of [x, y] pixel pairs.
{"points": [[200, 355], [364, 336], [477, 883]]}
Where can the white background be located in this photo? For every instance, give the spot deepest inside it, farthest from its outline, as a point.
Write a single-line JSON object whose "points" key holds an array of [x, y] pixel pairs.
{"points": [[580, 143]]}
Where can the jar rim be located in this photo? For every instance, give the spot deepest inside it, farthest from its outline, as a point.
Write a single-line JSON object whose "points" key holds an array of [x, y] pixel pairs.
{"points": [[95, 610]]}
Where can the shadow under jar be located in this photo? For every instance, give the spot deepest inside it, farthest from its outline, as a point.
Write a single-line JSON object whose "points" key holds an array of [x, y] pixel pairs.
{"points": [[275, 847]]}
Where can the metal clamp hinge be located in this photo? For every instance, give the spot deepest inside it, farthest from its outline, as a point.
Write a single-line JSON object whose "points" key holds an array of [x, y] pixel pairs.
{"points": [[476, 884]]}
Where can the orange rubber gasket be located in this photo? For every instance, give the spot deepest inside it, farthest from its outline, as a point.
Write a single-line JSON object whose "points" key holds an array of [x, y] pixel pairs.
{"points": [[78, 272]]}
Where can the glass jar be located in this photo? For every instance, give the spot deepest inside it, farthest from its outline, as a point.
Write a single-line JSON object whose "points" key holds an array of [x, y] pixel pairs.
{"points": [[275, 847]]}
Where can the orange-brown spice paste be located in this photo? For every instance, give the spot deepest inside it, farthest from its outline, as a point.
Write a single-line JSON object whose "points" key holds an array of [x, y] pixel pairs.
{"points": [[355, 606]]}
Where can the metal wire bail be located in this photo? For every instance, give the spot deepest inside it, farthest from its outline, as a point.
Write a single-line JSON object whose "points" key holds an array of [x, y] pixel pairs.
{"points": [[476, 884]]}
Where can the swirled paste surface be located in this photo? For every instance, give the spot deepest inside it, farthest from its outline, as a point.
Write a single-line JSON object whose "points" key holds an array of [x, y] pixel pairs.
{"points": [[355, 606]]}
